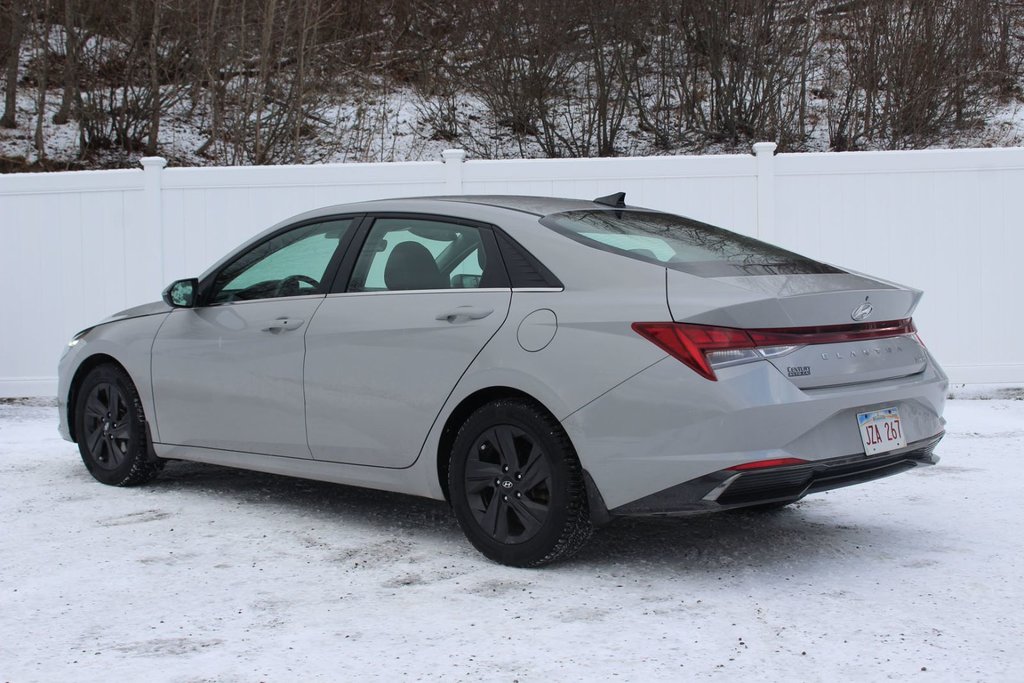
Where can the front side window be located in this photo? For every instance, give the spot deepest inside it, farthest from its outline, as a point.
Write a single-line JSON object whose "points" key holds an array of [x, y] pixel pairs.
{"points": [[293, 263], [680, 243], [415, 254]]}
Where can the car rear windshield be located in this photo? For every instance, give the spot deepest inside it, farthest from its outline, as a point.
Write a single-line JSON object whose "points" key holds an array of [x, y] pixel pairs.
{"points": [[680, 243]]}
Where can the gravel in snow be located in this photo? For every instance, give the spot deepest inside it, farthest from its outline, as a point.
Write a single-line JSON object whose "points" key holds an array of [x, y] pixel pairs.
{"points": [[218, 574]]}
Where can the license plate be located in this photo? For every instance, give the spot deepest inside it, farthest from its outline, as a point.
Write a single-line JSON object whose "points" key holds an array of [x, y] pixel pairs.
{"points": [[881, 431]]}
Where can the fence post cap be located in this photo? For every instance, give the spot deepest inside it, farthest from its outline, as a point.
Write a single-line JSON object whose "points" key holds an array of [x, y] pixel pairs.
{"points": [[454, 155], [153, 162], [767, 148]]}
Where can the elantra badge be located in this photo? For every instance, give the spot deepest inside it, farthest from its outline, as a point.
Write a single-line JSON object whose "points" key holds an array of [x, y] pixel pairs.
{"points": [[862, 311]]}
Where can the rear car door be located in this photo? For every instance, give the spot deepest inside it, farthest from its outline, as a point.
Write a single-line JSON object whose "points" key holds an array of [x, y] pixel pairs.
{"points": [[227, 374], [388, 347]]}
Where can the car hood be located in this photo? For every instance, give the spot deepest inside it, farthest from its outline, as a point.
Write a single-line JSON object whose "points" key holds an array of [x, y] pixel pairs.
{"points": [[151, 308]]}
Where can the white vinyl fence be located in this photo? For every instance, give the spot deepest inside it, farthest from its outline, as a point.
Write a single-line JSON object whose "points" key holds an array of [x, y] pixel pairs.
{"points": [[75, 247]]}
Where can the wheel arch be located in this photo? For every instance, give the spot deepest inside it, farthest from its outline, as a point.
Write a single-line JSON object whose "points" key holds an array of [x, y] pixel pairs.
{"points": [[466, 407]]}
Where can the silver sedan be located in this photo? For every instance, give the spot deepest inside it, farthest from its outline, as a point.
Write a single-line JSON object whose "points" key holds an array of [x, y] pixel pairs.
{"points": [[544, 365]]}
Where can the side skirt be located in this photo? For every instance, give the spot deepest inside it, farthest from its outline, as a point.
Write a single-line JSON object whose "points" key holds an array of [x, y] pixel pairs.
{"points": [[407, 481]]}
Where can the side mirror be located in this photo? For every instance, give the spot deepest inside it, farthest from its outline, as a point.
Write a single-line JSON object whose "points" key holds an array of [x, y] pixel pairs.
{"points": [[181, 293]]}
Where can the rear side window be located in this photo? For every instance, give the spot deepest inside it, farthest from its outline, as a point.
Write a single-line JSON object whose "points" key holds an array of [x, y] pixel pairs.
{"points": [[680, 243], [424, 254]]}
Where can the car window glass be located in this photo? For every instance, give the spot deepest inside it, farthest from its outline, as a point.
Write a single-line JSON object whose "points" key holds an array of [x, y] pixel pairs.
{"points": [[680, 243], [470, 266], [405, 254], [291, 264]]}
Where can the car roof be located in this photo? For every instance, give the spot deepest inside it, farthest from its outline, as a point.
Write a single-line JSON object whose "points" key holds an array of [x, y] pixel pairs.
{"points": [[537, 206], [540, 206]]}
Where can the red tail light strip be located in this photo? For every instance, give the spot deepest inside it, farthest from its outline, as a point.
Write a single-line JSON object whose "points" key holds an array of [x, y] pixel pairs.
{"points": [[829, 334], [775, 462], [691, 343]]}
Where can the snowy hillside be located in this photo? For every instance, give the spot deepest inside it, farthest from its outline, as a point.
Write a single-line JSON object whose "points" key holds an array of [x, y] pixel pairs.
{"points": [[267, 82]]}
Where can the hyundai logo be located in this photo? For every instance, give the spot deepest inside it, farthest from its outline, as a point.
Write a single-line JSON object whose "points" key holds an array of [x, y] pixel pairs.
{"points": [[862, 311]]}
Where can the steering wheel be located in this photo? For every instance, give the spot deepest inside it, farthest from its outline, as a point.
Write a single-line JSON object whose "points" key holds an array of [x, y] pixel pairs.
{"points": [[286, 284]]}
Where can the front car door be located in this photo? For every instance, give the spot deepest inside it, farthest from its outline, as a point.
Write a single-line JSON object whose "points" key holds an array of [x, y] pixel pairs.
{"points": [[385, 351], [228, 373]]}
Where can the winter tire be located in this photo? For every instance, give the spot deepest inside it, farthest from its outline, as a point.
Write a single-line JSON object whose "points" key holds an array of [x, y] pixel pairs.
{"points": [[516, 485], [110, 426]]}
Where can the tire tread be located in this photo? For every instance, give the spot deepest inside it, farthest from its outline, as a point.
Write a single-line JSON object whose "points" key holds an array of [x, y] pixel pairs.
{"points": [[143, 467], [577, 528]]}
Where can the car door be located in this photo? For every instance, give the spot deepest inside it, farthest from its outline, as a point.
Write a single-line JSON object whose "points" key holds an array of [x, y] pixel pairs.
{"points": [[227, 374], [383, 353]]}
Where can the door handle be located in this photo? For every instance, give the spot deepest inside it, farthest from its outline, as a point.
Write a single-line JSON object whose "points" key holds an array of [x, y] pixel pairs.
{"points": [[283, 323], [463, 313]]}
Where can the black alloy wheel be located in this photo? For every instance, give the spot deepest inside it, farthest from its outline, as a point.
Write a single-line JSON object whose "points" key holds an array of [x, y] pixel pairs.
{"points": [[508, 483], [110, 428], [516, 485], [107, 429]]}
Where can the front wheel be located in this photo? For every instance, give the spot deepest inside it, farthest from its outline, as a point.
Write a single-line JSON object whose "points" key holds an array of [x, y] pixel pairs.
{"points": [[110, 427], [516, 485]]}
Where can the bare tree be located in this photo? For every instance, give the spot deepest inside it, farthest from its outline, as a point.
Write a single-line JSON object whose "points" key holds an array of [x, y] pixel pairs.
{"points": [[750, 55], [13, 31], [42, 73], [155, 103], [906, 74], [271, 81], [71, 98]]}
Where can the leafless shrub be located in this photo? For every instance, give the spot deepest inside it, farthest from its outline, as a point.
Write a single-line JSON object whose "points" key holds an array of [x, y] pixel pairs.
{"points": [[273, 81], [908, 73], [13, 18]]}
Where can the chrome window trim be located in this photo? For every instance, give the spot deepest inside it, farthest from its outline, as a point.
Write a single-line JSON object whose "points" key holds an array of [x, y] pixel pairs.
{"points": [[453, 290], [259, 301], [456, 290]]}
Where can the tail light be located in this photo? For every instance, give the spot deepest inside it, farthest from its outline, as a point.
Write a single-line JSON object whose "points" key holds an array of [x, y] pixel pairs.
{"points": [[763, 464], [705, 347]]}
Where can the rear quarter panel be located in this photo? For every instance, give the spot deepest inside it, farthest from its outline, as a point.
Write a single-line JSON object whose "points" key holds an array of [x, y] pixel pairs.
{"points": [[592, 347]]}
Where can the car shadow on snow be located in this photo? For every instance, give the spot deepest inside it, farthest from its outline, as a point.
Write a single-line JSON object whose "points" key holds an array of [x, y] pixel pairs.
{"points": [[334, 502], [803, 535]]}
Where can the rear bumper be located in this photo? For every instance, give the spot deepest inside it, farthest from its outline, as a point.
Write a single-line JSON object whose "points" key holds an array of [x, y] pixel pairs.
{"points": [[667, 426], [728, 489]]}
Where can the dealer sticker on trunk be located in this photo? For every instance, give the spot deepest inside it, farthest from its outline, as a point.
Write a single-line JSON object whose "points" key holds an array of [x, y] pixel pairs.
{"points": [[881, 431]]}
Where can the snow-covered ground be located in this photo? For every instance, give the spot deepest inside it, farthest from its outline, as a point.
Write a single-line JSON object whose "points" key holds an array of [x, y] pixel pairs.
{"points": [[216, 574]]}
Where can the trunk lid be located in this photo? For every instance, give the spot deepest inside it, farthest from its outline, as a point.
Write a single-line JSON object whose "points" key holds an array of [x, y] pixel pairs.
{"points": [[777, 301]]}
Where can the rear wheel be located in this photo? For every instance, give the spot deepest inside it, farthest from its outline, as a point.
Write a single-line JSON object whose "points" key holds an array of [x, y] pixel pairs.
{"points": [[516, 485], [110, 426]]}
